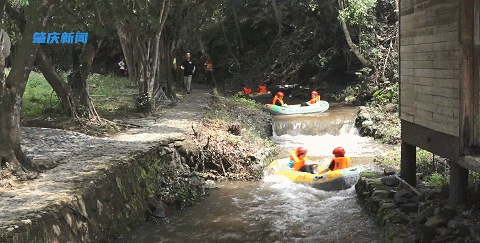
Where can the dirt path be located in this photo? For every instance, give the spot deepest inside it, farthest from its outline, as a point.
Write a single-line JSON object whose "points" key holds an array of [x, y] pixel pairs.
{"points": [[78, 157], [172, 121]]}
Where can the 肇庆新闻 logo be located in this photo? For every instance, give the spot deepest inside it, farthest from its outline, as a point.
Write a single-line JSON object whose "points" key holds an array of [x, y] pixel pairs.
{"points": [[59, 38]]}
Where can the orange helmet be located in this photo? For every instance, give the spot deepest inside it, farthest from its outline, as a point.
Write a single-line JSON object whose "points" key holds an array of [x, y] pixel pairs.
{"points": [[301, 150], [280, 94], [314, 93], [339, 152]]}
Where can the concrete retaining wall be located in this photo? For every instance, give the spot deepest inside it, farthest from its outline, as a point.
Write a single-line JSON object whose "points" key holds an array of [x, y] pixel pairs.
{"points": [[119, 199]]}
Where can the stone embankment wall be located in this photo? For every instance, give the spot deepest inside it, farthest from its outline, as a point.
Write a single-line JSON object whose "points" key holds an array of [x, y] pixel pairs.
{"points": [[405, 216], [379, 123], [114, 200]]}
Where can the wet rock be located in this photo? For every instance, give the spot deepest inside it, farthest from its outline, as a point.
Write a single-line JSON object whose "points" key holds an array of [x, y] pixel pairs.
{"points": [[389, 171], [420, 218], [409, 208], [156, 208], [410, 239], [435, 221], [454, 223], [367, 123], [463, 230], [397, 239], [390, 181], [443, 231], [402, 196], [426, 234], [390, 107]]}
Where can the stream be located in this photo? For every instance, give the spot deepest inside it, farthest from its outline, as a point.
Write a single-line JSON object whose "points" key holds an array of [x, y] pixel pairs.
{"points": [[276, 209]]}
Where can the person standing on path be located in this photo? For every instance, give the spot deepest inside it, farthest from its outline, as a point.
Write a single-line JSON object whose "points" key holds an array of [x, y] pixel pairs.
{"points": [[188, 70], [208, 72]]}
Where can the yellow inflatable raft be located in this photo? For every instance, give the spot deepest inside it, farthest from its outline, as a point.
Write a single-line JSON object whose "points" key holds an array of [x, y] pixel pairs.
{"points": [[330, 181]]}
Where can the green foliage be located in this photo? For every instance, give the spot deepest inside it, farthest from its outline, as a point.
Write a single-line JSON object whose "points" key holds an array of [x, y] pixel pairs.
{"points": [[473, 178], [434, 171], [391, 158], [369, 175], [437, 179], [19, 3], [38, 95], [358, 12], [109, 93], [142, 103], [389, 94], [247, 103]]}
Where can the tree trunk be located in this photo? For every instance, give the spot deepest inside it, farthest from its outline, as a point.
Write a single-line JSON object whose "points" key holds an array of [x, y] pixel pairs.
{"points": [[10, 106], [78, 80], [127, 53], [198, 36], [59, 85], [278, 17], [353, 47], [13, 87], [239, 33], [165, 63]]}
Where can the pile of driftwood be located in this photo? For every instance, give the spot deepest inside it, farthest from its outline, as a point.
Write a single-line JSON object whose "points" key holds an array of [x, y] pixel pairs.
{"points": [[220, 151]]}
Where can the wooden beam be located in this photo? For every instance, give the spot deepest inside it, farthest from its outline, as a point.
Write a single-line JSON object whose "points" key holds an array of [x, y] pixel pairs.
{"points": [[458, 184], [467, 116], [408, 167], [425, 138]]}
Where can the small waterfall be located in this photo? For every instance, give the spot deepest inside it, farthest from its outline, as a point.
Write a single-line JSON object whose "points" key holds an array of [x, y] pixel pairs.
{"points": [[320, 134]]}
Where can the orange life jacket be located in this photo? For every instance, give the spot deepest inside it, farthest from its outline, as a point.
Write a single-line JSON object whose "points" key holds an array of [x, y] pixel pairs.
{"points": [[341, 163], [209, 66], [275, 100], [262, 89], [247, 90], [315, 100], [297, 162]]}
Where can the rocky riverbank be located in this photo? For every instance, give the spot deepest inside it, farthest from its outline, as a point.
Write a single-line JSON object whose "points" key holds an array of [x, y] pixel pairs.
{"points": [[423, 216], [380, 122]]}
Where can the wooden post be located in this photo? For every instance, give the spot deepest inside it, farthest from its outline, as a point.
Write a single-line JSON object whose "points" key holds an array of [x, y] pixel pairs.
{"points": [[458, 184], [408, 164]]}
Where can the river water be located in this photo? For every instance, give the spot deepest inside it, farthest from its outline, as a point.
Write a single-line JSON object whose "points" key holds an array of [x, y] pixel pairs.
{"points": [[275, 209]]}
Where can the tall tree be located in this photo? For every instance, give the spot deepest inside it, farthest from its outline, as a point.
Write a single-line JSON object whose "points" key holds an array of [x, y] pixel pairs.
{"points": [[73, 91], [13, 86], [140, 26], [375, 24], [353, 47]]}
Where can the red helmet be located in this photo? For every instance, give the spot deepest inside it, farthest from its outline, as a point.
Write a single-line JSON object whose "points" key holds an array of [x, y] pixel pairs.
{"points": [[339, 152], [314, 93], [301, 150], [280, 94]]}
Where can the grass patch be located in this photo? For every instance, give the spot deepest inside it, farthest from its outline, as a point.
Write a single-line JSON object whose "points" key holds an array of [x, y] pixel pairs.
{"points": [[391, 158], [38, 95], [369, 175], [109, 94]]}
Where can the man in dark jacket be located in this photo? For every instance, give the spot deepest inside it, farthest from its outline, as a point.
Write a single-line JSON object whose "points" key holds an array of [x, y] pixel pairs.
{"points": [[188, 71]]}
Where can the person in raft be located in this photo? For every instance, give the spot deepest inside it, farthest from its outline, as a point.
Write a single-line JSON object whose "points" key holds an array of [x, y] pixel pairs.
{"points": [[247, 90], [314, 100], [298, 159], [339, 162], [262, 88], [278, 100]]}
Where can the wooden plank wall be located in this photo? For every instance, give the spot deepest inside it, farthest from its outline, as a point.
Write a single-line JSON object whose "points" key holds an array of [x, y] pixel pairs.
{"points": [[430, 64]]}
